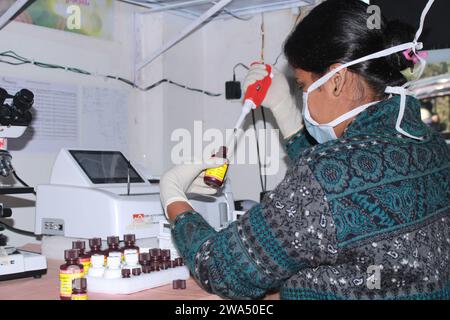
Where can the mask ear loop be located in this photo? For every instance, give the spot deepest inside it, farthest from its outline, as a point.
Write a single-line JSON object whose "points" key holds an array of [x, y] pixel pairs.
{"points": [[419, 45], [402, 92]]}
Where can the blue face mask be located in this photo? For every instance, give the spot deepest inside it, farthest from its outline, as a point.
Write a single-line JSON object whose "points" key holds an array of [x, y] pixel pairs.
{"points": [[325, 132]]}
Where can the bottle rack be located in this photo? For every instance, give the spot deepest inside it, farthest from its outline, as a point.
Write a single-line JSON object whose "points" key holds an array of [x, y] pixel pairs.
{"points": [[137, 283]]}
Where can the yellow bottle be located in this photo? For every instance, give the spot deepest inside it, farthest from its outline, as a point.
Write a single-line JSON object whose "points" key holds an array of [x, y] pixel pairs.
{"points": [[215, 177]]}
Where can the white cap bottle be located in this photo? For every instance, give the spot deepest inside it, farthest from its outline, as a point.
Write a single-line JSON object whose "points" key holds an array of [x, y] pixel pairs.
{"points": [[97, 269], [113, 268], [131, 258], [132, 261]]}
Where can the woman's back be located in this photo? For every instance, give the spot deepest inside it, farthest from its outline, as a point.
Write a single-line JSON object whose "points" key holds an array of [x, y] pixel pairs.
{"points": [[388, 201]]}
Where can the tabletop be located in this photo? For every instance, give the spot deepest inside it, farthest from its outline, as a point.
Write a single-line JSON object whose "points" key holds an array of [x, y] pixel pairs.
{"points": [[47, 288]]}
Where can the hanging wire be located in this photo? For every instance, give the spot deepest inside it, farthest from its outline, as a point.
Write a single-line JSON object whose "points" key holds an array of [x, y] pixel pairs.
{"points": [[16, 60]]}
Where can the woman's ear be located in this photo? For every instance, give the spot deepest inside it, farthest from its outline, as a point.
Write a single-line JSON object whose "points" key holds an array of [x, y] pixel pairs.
{"points": [[339, 79]]}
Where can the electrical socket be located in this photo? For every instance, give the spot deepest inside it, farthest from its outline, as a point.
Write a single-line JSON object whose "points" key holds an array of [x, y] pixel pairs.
{"points": [[53, 227]]}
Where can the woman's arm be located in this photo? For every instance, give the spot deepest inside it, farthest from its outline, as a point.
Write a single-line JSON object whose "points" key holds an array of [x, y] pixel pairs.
{"points": [[289, 231]]}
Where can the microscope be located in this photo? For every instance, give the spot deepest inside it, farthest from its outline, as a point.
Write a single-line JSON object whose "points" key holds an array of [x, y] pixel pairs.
{"points": [[15, 117]]}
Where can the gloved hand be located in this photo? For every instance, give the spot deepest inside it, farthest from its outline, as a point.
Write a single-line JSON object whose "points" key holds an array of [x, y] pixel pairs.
{"points": [[278, 99], [186, 178]]}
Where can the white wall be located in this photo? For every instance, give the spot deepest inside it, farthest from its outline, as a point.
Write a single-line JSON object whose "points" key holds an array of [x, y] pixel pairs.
{"points": [[205, 60], [48, 45]]}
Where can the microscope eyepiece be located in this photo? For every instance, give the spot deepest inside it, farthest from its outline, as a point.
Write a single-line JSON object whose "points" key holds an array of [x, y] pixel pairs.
{"points": [[17, 113], [23, 100]]}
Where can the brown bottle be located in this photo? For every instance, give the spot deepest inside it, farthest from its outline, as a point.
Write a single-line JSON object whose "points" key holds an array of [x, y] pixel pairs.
{"points": [[215, 177], [79, 289], [68, 272], [83, 258], [113, 245], [96, 248], [129, 243], [144, 261], [144, 258]]}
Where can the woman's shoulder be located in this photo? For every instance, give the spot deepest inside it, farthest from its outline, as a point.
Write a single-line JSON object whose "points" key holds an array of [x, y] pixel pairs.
{"points": [[347, 164]]}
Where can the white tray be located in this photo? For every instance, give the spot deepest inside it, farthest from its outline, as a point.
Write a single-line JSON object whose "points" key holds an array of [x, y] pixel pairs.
{"points": [[137, 283]]}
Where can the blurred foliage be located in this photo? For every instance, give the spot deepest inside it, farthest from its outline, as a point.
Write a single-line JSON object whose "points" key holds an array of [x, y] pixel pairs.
{"points": [[96, 16], [441, 104]]}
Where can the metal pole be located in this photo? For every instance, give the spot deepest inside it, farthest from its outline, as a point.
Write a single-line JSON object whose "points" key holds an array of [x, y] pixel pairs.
{"points": [[6, 17], [181, 5], [183, 34]]}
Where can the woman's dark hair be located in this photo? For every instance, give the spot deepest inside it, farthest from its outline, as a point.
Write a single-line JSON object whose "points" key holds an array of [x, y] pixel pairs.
{"points": [[336, 31]]}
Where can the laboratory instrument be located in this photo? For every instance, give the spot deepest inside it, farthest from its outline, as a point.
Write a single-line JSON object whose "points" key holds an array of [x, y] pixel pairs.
{"points": [[15, 117], [88, 197]]}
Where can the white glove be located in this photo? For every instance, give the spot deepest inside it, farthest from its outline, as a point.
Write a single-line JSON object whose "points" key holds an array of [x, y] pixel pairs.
{"points": [[186, 178], [278, 99]]}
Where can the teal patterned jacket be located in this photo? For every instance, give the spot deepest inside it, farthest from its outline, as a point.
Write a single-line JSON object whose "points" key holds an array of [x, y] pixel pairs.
{"points": [[365, 216]]}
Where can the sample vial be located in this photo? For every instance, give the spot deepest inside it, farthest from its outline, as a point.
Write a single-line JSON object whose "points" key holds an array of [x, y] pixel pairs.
{"points": [[215, 177], [83, 258], [165, 255], [68, 272], [154, 266], [126, 273], [155, 252], [144, 258], [113, 268], [97, 268], [179, 262], [79, 289], [179, 284], [146, 268], [137, 271], [129, 243]]}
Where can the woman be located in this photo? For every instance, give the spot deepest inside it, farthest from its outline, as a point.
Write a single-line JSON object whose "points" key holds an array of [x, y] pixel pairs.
{"points": [[363, 212]]}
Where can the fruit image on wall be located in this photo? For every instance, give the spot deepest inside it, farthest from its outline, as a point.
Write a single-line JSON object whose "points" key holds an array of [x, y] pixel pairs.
{"points": [[87, 17]]}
